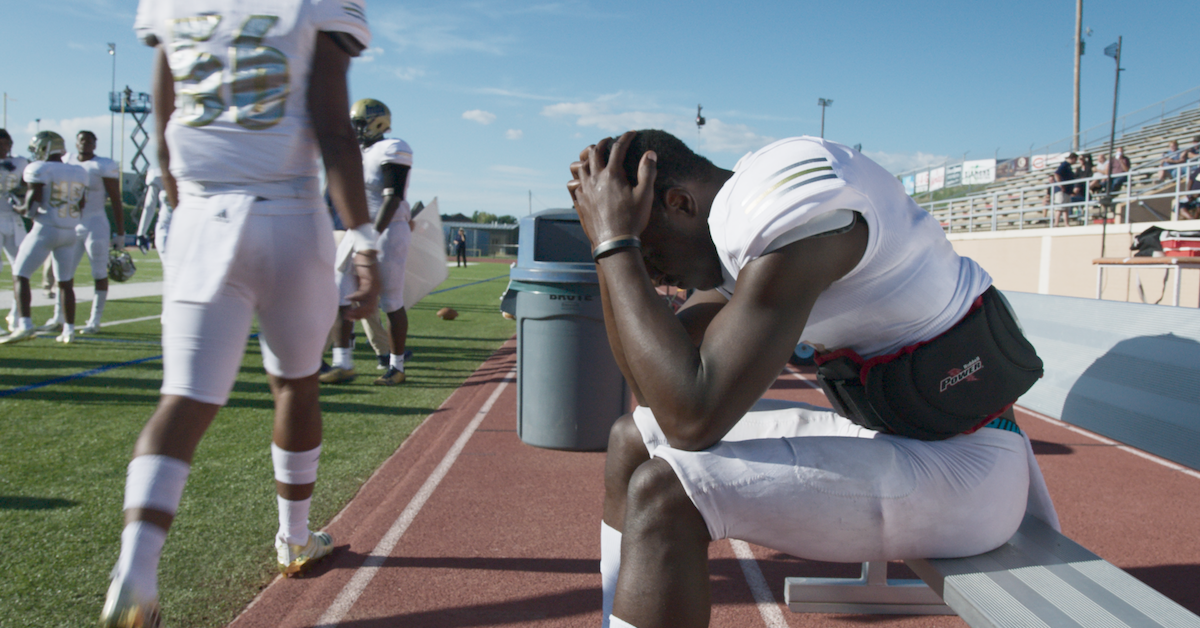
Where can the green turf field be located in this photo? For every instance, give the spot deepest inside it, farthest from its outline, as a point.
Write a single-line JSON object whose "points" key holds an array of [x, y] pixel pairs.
{"points": [[64, 448]]}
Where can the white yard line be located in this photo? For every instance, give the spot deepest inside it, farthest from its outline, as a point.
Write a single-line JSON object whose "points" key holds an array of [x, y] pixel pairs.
{"points": [[104, 324], [362, 577]]}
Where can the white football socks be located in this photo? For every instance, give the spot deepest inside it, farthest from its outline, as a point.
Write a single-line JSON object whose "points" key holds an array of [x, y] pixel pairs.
{"points": [[153, 482], [398, 362], [141, 547], [293, 520], [294, 467], [58, 310], [610, 566], [97, 308], [342, 358]]}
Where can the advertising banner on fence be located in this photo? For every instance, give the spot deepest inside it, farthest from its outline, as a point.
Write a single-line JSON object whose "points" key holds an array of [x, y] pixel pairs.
{"points": [[1049, 160], [910, 183], [1012, 167], [937, 179], [922, 182], [978, 171], [954, 175]]}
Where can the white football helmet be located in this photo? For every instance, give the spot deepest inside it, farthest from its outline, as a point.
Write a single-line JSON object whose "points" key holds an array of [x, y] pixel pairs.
{"points": [[45, 144], [120, 266]]}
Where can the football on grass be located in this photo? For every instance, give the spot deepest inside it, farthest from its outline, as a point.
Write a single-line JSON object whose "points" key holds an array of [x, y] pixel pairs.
{"points": [[447, 313]]}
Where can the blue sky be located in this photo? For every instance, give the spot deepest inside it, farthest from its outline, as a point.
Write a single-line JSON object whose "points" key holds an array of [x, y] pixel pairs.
{"points": [[497, 98]]}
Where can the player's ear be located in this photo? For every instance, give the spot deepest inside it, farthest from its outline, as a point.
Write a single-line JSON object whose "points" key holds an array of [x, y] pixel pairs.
{"points": [[678, 200]]}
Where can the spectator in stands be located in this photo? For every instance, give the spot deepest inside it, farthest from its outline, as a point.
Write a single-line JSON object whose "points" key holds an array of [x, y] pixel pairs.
{"points": [[1189, 206], [1120, 166], [1101, 171], [1062, 193], [1193, 151], [1084, 172], [1170, 157]]}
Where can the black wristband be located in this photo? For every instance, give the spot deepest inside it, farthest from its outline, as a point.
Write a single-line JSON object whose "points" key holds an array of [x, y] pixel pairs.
{"points": [[609, 246]]}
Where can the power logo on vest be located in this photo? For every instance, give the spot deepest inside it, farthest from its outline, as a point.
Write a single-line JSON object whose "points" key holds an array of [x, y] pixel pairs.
{"points": [[966, 373]]}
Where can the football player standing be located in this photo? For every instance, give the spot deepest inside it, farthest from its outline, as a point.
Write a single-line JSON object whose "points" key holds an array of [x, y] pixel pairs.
{"points": [[386, 166], [103, 180], [12, 228], [262, 94], [54, 200]]}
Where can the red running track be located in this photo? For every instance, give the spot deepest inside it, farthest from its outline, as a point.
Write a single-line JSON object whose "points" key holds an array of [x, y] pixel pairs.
{"points": [[466, 526]]}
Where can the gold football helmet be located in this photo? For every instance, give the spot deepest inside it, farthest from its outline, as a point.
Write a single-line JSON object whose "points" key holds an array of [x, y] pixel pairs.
{"points": [[371, 119], [45, 144]]}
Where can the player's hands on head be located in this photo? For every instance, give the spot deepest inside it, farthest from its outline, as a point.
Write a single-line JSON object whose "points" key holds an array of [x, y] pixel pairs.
{"points": [[609, 205], [365, 301]]}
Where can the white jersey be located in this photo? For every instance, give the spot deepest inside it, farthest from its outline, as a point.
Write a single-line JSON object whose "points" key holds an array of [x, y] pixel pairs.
{"points": [[11, 169], [65, 186], [386, 151], [242, 117], [98, 169], [910, 284]]}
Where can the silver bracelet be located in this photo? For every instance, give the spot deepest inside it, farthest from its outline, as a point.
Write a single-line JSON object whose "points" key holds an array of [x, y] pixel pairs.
{"points": [[609, 246]]}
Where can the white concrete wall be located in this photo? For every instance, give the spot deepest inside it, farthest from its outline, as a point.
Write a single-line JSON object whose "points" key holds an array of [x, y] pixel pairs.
{"points": [[1059, 262]]}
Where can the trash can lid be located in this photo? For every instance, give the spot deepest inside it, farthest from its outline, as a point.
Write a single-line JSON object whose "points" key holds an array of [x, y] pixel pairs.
{"points": [[553, 249]]}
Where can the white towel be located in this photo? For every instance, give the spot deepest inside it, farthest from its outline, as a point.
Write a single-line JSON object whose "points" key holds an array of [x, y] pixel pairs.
{"points": [[1038, 503]]}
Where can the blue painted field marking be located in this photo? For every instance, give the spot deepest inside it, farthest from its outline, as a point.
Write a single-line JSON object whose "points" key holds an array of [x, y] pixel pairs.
{"points": [[95, 371], [468, 284], [68, 378]]}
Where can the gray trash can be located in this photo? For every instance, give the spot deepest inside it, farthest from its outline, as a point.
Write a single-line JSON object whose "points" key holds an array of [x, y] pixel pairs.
{"points": [[569, 389]]}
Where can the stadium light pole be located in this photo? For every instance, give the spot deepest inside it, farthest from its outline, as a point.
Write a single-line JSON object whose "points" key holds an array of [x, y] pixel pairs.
{"points": [[1106, 201], [1078, 55], [112, 116], [823, 103]]}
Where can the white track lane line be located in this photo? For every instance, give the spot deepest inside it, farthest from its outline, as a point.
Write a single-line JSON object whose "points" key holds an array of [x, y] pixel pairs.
{"points": [[1137, 452], [811, 382], [362, 577], [763, 598]]}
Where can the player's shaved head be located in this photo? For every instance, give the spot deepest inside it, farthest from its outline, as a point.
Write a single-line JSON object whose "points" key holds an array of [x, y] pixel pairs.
{"points": [[4, 135], [86, 133]]}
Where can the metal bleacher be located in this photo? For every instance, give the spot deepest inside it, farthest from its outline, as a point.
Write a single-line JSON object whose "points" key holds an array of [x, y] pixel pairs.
{"points": [[1022, 201]]}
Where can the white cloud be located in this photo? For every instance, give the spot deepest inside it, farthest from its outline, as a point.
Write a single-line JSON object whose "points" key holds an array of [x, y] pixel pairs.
{"points": [[407, 74], [438, 31], [480, 116], [497, 91], [896, 163], [717, 136], [514, 134], [69, 127], [99, 125], [369, 55]]}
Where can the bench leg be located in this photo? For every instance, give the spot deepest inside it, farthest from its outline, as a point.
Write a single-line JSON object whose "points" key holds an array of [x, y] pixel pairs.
{"points": [[872, 593]]}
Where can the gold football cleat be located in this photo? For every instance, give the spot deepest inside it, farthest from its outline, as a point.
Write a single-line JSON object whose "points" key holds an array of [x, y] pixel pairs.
{"points": [[294, 560], [337, 375], [392, 377], [121, 610]]}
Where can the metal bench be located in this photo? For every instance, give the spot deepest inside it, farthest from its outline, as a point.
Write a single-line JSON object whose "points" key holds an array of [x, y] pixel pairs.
{"points": [[1127, 371], [1040, 578]]}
